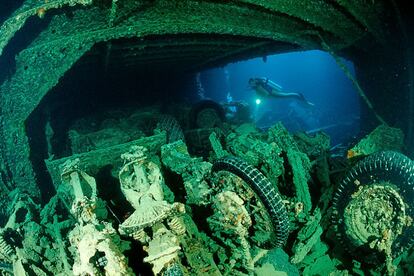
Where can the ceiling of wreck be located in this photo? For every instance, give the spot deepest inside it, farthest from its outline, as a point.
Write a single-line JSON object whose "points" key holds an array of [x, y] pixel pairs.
{"points": [[235, 30], [179, 52], [177, 36]]}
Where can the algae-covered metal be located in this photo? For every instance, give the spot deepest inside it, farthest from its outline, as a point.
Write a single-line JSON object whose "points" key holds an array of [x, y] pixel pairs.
{"points": [[373, 207]]}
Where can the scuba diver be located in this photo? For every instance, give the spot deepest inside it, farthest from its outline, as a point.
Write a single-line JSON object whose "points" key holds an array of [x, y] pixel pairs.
{"points": [[238, 112], [266, 88]]}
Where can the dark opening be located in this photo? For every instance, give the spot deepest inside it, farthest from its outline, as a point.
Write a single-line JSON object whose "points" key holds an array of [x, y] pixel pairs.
{"points": [[89, 99]]}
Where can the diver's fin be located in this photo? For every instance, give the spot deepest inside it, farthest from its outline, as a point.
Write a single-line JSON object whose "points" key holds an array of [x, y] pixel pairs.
{"points": [[302, 97]]}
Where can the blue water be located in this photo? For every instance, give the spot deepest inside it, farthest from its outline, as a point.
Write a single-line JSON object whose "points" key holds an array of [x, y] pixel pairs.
{"points": [[315, 74]]}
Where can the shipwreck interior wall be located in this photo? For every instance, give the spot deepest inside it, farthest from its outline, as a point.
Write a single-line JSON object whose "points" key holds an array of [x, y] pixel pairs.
{"points": [[179, 35], [384, 71]]}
